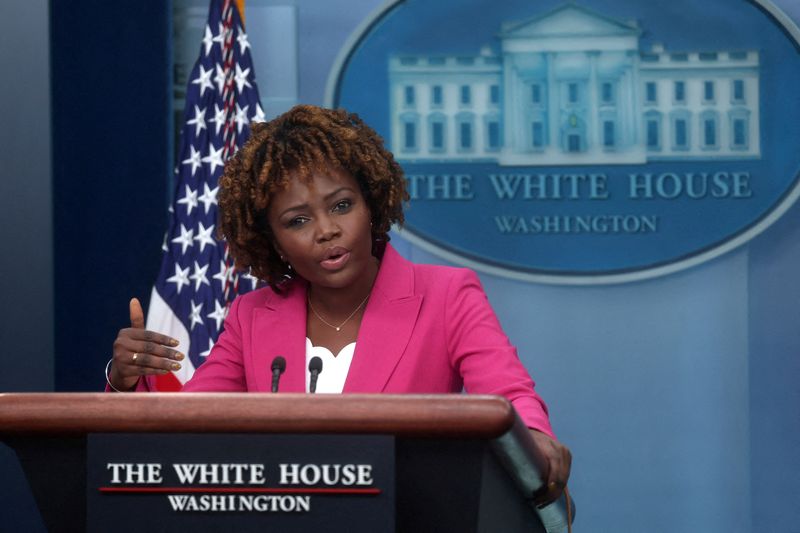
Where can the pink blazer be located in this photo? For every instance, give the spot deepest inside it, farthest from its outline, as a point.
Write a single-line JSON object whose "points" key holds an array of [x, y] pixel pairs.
{"points": [[426, 329]]}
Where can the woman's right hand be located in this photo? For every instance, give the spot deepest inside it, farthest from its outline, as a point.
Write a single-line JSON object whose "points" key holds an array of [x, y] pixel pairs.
{"points": [[139, 352]]}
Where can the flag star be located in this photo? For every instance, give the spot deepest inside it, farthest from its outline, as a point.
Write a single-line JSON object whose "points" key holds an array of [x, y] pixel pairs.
{"points": [[164, 247], [199, 120], [208, 39], [225, 274], [194, 314], [259, 116], [204, 80], [204, 234], [241, 78], [199, 276], [219, 313], [185, 240], [252, 279], [241, 117], [219, 78], [209, 197], [244, 44], [219, 118], [210, 346], [214, 158], [189, 199], [194, 160], [180, 278], [221, 35]]}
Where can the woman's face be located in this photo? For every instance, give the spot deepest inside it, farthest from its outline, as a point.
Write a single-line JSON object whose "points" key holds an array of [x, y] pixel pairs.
{"points": [[322, 229]]}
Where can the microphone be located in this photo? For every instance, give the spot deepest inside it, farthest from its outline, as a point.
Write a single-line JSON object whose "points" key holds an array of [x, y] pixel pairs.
{"points": [[278, 366], [315, 367]]}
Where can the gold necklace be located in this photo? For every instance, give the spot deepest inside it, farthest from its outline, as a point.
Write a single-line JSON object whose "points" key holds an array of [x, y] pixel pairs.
{"points": [[346, 320]]}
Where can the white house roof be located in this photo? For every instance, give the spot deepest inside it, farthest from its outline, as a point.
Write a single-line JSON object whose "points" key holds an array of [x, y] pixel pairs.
{"points": [[569, 20]]}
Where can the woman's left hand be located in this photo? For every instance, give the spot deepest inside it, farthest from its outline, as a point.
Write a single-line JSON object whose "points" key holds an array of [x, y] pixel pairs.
{"points": [[559, 462]]}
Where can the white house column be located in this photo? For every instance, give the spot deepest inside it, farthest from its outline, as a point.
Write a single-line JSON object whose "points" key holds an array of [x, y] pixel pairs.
{"points": [[553, 117], [593, 126], [509, 104], [626, 119], [635, 103]]}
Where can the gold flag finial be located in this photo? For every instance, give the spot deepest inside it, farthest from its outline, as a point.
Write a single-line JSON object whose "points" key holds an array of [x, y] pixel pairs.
{"points": [[240, 5]]}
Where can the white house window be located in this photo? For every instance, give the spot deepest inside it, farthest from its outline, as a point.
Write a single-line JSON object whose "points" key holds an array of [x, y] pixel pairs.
{"points": [[437, 98], [680, 92], [609, 140], [466, 95], [493, 140], [466, 131], [437, 126], [681, 135], [740, 126], [652, 125], [494, 94], [572, 92], [680, 129], [709, 130], [537, 134], [409, 122], [607, 92], [650, 93], [738, 92], [409, 136], [465, 135], [409, 95], [536, 93], [708, 91], [739, 133]]}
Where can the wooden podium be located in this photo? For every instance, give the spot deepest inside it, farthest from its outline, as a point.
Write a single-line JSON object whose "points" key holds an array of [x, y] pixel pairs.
{"points": [[462, 462]]}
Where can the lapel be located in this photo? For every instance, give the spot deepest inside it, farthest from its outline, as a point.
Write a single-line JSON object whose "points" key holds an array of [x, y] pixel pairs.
{"points": [[279, 328], [386, 326]]}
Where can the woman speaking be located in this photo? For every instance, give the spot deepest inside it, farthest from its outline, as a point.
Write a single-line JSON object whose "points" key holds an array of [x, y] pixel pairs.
{"points": [[307, 204]]}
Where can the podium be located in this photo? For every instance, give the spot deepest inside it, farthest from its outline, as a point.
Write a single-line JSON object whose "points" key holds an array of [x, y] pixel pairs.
{"points": [[462, 463]]}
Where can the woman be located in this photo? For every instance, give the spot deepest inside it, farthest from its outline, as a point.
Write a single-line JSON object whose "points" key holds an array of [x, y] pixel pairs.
{"points": [[307, 204]]}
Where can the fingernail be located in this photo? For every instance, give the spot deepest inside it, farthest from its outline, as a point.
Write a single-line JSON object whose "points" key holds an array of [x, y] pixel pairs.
{"points": [[173, 342], [179, 356], [162, 371], [176, 366]]}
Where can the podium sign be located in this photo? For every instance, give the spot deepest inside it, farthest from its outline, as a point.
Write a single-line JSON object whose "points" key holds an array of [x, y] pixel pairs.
{"points": [[240, 482], [279, 462]]}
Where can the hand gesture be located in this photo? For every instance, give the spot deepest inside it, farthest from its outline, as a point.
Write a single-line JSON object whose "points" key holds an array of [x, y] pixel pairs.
{"points": [[139, 352]]}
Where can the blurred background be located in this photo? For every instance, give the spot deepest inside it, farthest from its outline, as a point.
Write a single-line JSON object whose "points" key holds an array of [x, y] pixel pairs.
{"points": [[678, 395]]}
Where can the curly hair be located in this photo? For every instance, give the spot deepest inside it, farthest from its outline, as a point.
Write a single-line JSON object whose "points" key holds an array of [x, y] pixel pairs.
{"points": [[302, 141]]}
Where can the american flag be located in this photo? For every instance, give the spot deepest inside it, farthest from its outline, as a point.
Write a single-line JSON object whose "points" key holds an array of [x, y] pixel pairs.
{"points": [[197, 282]]}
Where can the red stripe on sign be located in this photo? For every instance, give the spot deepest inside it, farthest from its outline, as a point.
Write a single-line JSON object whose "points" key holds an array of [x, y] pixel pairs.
{"points": [[239, 490]]}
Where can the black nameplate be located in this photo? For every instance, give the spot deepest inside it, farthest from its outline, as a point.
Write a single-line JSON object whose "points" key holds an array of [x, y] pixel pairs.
{"points": [[208, 482]]}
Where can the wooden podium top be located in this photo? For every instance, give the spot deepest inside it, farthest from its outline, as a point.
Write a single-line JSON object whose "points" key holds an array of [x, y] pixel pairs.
{"points": [[445, 415]]}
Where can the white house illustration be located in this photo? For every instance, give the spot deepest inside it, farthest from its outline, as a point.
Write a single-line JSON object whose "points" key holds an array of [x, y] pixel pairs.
{"points": [[572, 87]]}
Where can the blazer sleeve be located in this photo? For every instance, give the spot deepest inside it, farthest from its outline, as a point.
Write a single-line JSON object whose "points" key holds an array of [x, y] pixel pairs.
{"points": [[224, 371], [481, 352]]}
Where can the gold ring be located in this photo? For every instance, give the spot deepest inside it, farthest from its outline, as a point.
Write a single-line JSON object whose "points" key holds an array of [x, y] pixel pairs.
{"points": [[135, 355]]}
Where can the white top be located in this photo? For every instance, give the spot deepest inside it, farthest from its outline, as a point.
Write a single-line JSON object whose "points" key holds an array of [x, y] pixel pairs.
{"points": [[334, 369]]}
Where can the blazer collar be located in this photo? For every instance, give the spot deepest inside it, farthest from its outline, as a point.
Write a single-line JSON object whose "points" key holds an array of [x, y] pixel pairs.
{"points": [[386, 327], [279, 328]]}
